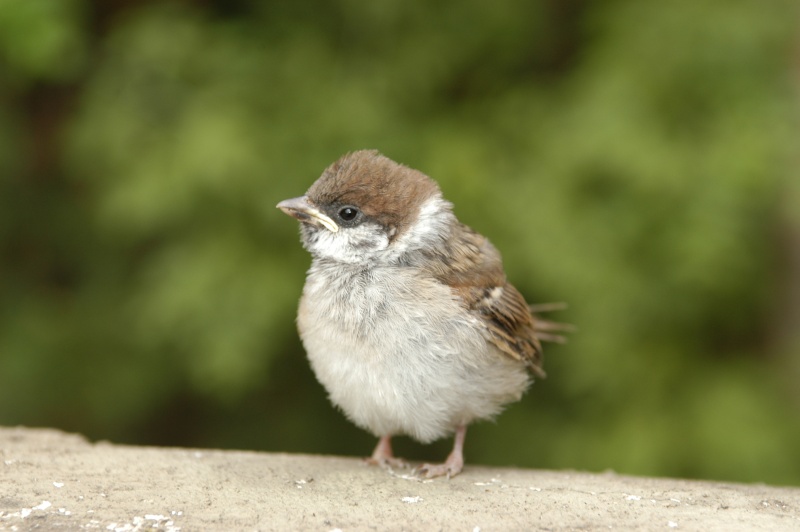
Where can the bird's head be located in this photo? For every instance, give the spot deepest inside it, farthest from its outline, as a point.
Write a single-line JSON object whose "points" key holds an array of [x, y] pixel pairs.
{"points": [[366, 208]]}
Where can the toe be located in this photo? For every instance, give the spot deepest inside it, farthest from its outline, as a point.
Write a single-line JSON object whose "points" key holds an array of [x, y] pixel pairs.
{"points": [[436, 470]]}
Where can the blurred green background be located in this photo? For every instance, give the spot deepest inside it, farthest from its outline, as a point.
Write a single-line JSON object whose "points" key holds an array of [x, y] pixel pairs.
{"points": [[637, 160]]}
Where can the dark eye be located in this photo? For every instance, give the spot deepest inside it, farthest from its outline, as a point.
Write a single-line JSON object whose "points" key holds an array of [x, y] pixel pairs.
{"points": [[348, 214]]}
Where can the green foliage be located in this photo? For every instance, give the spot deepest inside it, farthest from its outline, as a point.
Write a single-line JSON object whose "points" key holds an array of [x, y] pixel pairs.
{"points": [[634, 159], [42, 40]]}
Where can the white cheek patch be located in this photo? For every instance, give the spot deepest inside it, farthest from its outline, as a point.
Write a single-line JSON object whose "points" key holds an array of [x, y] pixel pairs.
{"points": [[435, 215], [352, 245], [369, 242]]}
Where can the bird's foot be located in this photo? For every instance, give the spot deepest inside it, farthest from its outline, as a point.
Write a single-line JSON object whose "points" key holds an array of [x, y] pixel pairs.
{"points": [[454, 463], [450, 468], [382, 455]]}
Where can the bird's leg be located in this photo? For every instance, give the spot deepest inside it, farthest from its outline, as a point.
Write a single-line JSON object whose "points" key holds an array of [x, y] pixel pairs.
{"points": [[454, 463], [383, 456]]}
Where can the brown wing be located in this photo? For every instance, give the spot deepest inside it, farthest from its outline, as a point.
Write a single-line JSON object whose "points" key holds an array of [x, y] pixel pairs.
{"points": [[510, 324], [476, 274]]}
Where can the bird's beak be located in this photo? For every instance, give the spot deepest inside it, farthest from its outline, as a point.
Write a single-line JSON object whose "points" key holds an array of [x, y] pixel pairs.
{"points": [[302, 209]]}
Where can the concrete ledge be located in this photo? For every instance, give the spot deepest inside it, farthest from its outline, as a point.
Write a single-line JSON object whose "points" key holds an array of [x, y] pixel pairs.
{"points": [[52, 480]]}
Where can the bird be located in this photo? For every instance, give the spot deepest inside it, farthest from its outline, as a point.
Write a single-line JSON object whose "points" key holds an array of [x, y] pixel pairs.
{"points": [[406, 315]]}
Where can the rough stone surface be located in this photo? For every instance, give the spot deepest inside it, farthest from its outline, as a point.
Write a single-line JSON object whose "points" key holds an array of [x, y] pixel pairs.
{"points": [[56, 481]]}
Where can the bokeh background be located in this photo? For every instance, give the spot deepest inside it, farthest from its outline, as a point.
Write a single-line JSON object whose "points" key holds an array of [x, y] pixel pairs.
{"points": [[636, 159]]}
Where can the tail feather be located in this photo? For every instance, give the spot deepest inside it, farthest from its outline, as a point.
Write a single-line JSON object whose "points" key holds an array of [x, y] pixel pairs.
{"points": [[546, 329]]}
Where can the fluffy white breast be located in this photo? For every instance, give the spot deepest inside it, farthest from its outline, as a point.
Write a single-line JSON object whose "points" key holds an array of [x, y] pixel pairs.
{"points": [[397, 353]]}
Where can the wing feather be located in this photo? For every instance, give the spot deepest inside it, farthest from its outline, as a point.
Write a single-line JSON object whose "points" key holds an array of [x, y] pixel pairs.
{"points": [[474, 271]]}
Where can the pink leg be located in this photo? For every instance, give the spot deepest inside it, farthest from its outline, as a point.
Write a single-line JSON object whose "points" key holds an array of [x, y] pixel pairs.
{"points": [[454, 463], [383, 456]]}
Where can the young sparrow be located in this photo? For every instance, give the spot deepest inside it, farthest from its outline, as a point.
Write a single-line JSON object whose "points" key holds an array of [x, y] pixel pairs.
{"points": [[406, 314]]}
